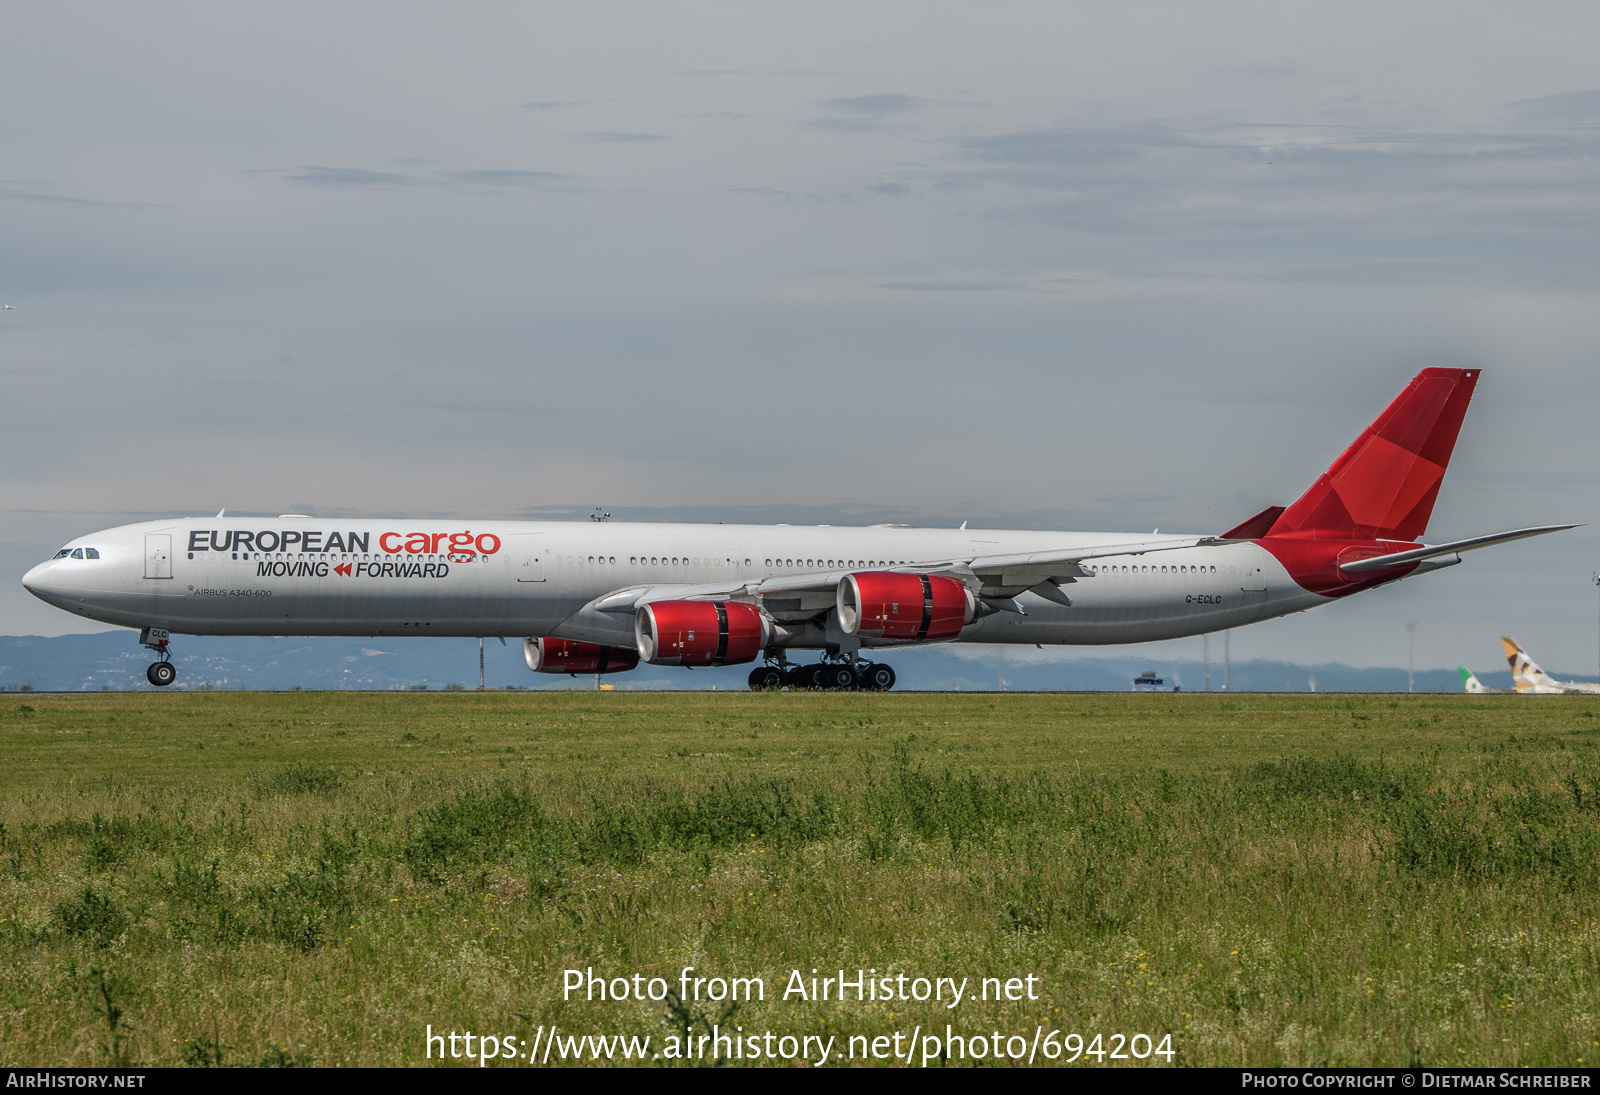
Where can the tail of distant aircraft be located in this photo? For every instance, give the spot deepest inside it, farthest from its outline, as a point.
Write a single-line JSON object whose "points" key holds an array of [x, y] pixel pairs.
{"points": [[1524, 670], [1471, 683]]}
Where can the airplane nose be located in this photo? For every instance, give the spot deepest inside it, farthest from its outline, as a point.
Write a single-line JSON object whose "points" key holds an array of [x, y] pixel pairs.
{"points": [[38, 582]]}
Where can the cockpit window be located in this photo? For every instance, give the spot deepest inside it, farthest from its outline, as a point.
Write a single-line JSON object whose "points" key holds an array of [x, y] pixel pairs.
{"points": [[77, 553], [62, 554], [91, 553]]}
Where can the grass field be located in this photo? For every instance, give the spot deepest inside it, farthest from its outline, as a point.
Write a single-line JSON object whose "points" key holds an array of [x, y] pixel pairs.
{"points": [[318, 877]]}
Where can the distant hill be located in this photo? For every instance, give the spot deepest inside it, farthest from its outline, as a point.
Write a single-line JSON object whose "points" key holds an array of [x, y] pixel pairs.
{"points": [[114, 661]]}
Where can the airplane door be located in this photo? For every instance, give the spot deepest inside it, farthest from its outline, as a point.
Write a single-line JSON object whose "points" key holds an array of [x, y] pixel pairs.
{"points": [[158, 555], [527, 557], [1254, 579]]}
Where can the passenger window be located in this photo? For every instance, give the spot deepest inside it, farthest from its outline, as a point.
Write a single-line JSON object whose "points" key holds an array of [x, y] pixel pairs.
{"points": [[91, 553], [77, 553]]}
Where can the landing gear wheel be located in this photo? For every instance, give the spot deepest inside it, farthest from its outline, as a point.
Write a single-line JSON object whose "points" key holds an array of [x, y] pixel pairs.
{"points": [[838, 676], [766, 678], [161, 674], [877, 678]]}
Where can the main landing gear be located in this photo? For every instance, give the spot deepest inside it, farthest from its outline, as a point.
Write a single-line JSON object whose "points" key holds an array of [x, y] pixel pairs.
{"points": [[162, 672], [840, 676]]}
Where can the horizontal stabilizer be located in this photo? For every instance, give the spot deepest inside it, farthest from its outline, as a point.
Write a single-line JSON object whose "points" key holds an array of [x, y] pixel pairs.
{"points": [[1382, 562]]}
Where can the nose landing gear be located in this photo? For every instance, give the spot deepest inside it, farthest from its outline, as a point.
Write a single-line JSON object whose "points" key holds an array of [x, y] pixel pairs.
{"points": [[161, 673]]}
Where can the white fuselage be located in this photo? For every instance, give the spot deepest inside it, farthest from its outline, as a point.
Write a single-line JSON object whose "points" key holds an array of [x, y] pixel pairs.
{"points": [[319, 576]]}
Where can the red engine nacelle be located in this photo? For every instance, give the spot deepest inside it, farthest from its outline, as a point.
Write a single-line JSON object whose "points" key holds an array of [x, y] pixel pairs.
{"points": [[566, 656], [701, 632], [918, 608]]}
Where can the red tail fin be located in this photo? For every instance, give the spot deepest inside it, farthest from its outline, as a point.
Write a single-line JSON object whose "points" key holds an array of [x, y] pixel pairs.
{"points": [[1385, 484]]}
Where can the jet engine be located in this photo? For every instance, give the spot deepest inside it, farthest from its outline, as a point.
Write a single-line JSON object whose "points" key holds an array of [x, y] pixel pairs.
{"points": [[566, 656], [701, 632], [918, 608]]}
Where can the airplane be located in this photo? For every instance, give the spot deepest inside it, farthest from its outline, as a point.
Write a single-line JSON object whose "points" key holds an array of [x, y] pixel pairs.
{"points": [[1531, 680], [601, 597]]}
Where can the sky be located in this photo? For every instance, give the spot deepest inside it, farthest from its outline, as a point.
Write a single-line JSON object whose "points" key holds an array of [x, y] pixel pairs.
{"points": [[1071, 266]]}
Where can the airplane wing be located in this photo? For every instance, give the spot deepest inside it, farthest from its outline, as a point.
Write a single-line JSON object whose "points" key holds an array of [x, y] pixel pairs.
{"points": [[1029, 568], [1000, 576], [1022, 570], [1381, 562], [630, 599]]}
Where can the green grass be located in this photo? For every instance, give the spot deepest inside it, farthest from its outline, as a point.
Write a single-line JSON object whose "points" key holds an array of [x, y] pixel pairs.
{"points": [[314, 878]]}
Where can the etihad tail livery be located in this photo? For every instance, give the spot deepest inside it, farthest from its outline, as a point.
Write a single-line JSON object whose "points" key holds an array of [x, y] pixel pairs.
{"points": [[599, 597], [1531, 680]]}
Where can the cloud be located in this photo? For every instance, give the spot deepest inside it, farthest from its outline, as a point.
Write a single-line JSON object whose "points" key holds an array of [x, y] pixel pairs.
{"points": [[866, 113], [1242, 183], [553, 104], [762, 192], [1570, 108], [339, 178], [350, 178], [874, 106], [1066, 146], [10, 193], [612, 136], [952, 285], [524, 180]]}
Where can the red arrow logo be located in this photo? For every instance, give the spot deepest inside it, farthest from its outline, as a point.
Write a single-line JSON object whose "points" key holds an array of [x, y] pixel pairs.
{"points": [[345, 570]]}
